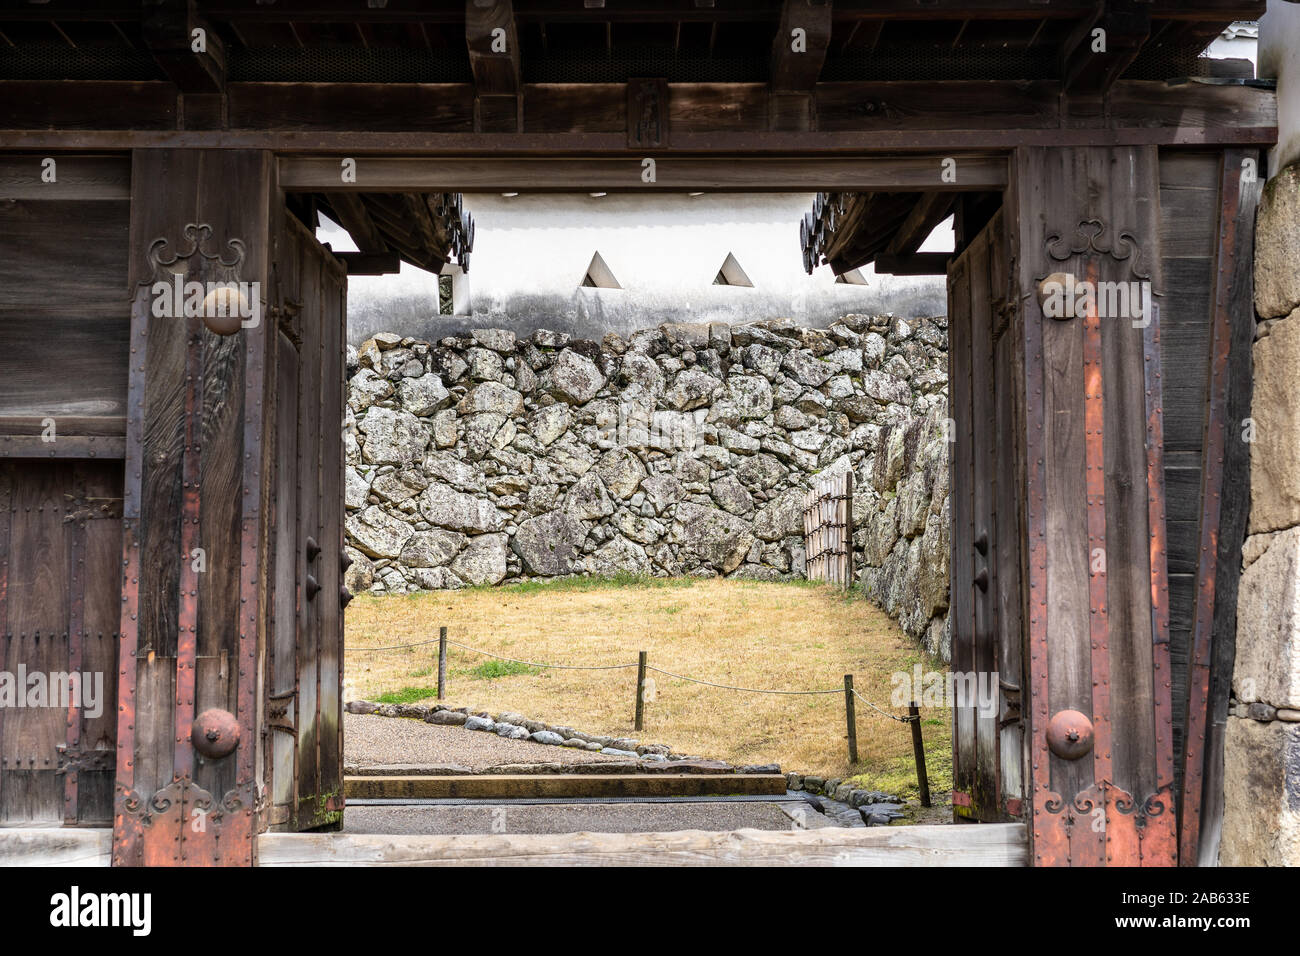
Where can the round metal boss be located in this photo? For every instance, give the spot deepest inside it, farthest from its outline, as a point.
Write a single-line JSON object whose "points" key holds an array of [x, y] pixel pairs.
{"points": [[215, 733], [1069, 735]]}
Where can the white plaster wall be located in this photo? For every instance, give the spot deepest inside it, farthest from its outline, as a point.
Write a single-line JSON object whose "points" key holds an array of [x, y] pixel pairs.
{"points": [[1279, 58], [532, 252]]}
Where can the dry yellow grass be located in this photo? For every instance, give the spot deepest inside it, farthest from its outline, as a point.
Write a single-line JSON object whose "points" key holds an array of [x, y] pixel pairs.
{"points": [[787, 636]]}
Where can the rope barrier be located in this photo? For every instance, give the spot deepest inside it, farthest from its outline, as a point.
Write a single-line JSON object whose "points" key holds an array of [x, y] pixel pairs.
{"points": [[564, 667], [748, 690], [649, 667], [885, 713]]}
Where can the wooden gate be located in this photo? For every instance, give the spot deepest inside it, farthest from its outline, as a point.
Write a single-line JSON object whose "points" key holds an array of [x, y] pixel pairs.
{"points": [[231, 521], [1101, 748], [304, 689], [828, 530], [985, 610]]}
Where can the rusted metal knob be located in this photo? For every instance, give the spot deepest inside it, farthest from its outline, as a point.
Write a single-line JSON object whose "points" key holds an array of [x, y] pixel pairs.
{"points": [[982, 579], [215, 733], [313, 587], [344, 596], [1069, 735], [345, 560], [313, 549]]}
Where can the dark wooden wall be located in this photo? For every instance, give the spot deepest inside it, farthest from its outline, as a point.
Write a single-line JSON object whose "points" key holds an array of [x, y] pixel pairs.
{"points": [[64, 318]]}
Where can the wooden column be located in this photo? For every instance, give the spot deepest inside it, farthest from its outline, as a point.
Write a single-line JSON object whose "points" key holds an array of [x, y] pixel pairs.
{"points": [[1100, 747], [194, 538]]}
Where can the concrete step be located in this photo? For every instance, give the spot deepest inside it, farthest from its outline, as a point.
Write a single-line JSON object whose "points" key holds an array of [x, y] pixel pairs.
{"points": [[561, 786]]}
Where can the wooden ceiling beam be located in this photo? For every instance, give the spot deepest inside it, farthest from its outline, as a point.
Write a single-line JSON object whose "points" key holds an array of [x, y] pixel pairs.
{"points": [[799, 47], [803, 36], [569, 11], [493, 41], [185, 45], [1101, 47]]}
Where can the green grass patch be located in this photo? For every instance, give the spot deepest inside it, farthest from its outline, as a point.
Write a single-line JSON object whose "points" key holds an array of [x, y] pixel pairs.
{"points": [[407, 695], [491, 670], [898, 776]]}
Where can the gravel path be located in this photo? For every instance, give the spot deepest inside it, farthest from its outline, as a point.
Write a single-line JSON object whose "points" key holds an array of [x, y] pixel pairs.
{"points": [[575, 818], [375, 741]]}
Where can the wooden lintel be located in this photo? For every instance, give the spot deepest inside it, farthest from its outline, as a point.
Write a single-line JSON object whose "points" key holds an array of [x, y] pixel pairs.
{"points": [[917, 264], [922, 116], [980, 171]]}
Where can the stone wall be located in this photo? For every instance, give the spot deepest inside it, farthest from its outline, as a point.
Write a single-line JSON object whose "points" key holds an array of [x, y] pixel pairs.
{"points": [[1261, 819], [682, 449]]}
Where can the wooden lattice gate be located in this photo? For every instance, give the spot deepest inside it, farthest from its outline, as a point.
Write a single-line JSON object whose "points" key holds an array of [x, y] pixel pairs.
{"points": [[828, 530]]}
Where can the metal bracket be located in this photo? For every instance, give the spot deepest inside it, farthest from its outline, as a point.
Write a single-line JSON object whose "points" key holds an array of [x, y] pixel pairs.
{"points": [[76, 760], [82, 508]]}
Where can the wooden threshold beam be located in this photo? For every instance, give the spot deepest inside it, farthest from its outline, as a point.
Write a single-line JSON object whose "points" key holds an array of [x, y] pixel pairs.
{"points": [[672, 174]]}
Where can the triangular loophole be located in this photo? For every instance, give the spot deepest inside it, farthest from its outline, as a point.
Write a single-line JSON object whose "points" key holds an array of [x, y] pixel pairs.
{"points": [[599, 275], [732, 274]]}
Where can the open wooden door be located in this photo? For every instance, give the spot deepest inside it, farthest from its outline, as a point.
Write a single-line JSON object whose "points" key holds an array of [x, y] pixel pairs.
{"points": [[986, 490], [304, 687]]}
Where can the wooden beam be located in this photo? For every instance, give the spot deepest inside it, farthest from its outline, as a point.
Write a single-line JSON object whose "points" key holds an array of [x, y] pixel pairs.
{"points": [[799, 47], [986, 845], [172, 31], [370, 263], [916, 264], [981, 171], [75, 178], [567, 11], [493, 42], [798, 53], [923, 116], [352, 216], [930, 210], [1102, 46]]}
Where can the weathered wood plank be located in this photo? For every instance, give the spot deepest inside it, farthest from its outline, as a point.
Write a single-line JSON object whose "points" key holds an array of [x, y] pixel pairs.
{"points": [[983, 845], [563, 785]]}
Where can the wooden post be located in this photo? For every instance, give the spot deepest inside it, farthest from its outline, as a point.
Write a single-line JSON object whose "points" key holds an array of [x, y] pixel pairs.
{"points": [[918, 750], [442, 663], [640, 689], [851, 715]]}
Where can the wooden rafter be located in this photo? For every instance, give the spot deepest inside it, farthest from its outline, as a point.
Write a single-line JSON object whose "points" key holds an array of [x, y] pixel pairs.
{"points": [[170, 31], [930, 210], [1102, 46]]}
